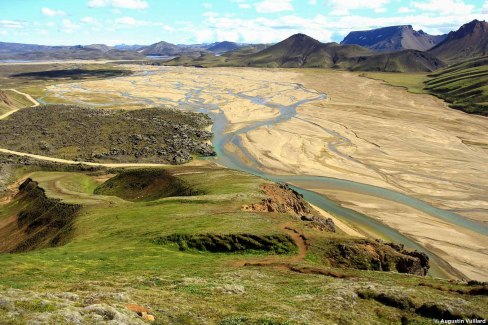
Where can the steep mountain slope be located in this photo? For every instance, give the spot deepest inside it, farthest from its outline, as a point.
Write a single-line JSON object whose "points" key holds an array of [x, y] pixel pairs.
{"points": [[469, 41], [463, 85], [393, 38], [403, 61]]}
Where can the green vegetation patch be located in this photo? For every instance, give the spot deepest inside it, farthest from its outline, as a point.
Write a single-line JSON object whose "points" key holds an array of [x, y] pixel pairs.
{"points": [[157, 135], [229, 243], [413, 82], [463, 85], [146, 185]]}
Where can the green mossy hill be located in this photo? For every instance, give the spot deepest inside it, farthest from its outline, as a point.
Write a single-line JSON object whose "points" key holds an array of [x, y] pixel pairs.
{"points": [[203, 260], [157, 135], [229, 243], [464, 85], [41, 221], [146, 185]]}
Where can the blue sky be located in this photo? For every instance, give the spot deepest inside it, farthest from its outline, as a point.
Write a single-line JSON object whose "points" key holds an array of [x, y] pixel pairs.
{"points": [[71, 22]]}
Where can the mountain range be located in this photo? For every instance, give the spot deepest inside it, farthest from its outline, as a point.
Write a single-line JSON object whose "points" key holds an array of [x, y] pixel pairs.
{"points": [[392, 49]]}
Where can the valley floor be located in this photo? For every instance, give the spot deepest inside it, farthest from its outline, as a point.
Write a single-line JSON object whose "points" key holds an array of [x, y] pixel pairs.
{"points": [[345, 127]]}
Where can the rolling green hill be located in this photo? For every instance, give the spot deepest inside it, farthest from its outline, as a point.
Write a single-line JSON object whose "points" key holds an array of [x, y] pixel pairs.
{"points": [[463, 85], [200, 258]]}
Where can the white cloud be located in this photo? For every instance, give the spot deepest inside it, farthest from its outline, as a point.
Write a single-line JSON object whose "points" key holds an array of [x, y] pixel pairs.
{"points": [[89, 20], [259, 30], [130, 21], [4, 33], [69, 27], [207, 5], [321, 27], [484, 10], [455, 7], [205, 35], [4, 23], [312, 2], [404, 10], [51, 12], [270, 6], [244, 6], [342, 7], [127, 4]]}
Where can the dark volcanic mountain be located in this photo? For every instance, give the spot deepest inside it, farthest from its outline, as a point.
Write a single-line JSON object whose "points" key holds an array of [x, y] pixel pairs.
{"points": [[162, 48], [17, 51], [301, 50], [469, 41], [394, 38], [222, 47]]}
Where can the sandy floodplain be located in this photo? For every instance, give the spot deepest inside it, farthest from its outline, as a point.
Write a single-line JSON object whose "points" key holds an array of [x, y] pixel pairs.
{"points": [[363, 131]]}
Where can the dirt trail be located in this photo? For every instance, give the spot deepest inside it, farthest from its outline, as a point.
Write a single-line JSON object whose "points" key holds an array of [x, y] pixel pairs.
{"points": [[71, 162], [292, 263], [34, 102]]}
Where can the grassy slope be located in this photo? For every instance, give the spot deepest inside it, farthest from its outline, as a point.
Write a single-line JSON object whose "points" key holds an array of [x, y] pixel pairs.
{"points": [[113, 253], [463, 85], [413, 82], [403, 61]]}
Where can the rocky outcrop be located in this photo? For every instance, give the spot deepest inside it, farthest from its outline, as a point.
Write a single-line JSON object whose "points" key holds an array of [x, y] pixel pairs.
{"points": [[283, 199], [418, 264], [324, 224]]}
